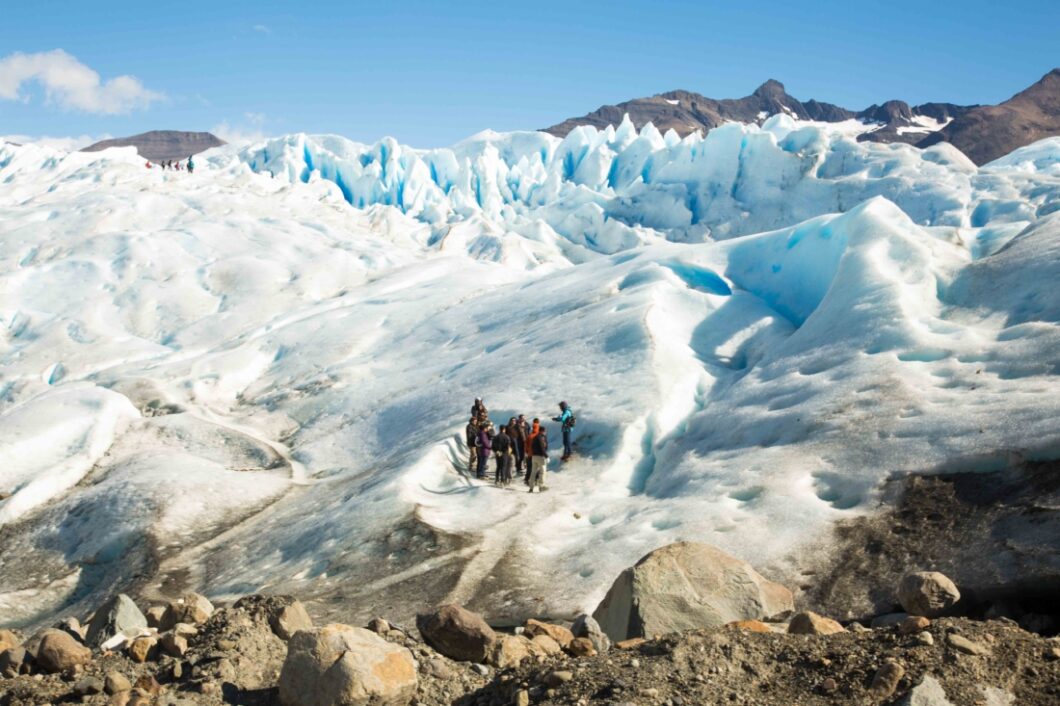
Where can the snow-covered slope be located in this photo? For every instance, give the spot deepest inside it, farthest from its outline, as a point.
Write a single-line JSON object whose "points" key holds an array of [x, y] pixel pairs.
{"points": [[256, 376]]}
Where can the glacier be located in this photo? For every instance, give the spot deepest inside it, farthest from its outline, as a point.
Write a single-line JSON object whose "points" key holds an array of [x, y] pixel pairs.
{"points": [[255, 377]]}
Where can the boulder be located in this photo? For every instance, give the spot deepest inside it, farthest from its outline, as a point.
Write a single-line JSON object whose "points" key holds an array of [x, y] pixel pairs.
{"points": [[913, 624], [118, 616], [886, 679], [8, 640], [88, 686], [688, 586], [511, 650], [193, 608], [927, 693], [545, 645], [379, 626], [342, 665], [285, 614], [116, 682], [457, 633], [927, 593], [142, 649], [582, 647], [289, 620], [586, 626], [58, 651], [73, 627], [810, 623], [14, 661], [154, 615], [560, 634], [173, 644]]}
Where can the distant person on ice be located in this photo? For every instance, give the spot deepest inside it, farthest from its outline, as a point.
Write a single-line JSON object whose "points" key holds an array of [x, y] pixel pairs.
{"points": [[484, 442], [191, 166], [470, 435], [519, 430], [502, 451], [535, 429], [567, 419], [540, 454]]}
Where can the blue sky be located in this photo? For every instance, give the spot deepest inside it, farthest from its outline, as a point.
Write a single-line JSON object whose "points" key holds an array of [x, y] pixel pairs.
{"points": [[432, 73]]}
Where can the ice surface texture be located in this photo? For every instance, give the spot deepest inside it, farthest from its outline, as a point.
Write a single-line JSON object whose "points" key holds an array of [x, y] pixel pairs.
{"points": [[257, 376]]}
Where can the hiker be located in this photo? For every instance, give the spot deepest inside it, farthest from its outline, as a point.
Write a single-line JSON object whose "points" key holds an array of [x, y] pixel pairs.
{"points": [[518, 430], [540, 454], [567, 419], [470, 434], [535, 428], [191, 165], [478, 409], [148, 165], [484, 442], [502, 451]]}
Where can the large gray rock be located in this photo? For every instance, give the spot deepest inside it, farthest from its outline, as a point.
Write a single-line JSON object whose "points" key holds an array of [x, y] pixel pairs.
{"points": [[927, 693], [586, 626], [457, 633], [927, 593], [118, 616], [687, 586], [339, 665]]}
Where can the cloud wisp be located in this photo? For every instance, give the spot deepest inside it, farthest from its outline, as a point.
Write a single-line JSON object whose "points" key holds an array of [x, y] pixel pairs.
{"points": [[71, 85]]}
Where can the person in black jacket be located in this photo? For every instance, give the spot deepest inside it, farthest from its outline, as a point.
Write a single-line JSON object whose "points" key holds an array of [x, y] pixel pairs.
{"points": [[502, 451], [519, 430], [470, 434], [539, 447]]}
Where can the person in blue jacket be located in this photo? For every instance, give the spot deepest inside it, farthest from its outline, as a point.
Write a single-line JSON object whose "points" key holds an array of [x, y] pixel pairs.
{"points": [[566, 418]]}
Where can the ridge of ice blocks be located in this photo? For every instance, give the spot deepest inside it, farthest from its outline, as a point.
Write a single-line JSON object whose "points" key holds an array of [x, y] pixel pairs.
{"points": [[256, 377]]}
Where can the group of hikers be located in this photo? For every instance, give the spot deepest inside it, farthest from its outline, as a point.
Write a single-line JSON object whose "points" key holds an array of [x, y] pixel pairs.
{"points": [[175, 165], [518, 443]]}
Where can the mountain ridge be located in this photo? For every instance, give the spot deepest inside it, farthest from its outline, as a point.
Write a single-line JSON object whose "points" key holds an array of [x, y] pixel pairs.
{"points": [[983, 132], [158, 145]]}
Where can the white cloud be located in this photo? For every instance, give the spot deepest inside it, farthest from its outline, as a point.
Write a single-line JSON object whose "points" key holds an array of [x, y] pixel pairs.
{"points": [[71, 85], [66, 144], [264, 29], [247, 131]]}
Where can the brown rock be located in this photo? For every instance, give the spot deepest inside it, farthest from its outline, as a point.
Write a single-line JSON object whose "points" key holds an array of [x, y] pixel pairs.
{"points": [[154, 616], [193, 608], [8, 640], [749, 626], [829, 685], [115, 682], [457, 633], [558, 678], [913, 624], [174, 645], [14, 661], [511, 650], [963, 644], [886, 679], [148, 684], [379, 626], [582, 647], [543, 644], [289, 620], [58, 651], [522, 698], [927, 593], [142, 649], [810, 623], [630, 644], [560, 634]]}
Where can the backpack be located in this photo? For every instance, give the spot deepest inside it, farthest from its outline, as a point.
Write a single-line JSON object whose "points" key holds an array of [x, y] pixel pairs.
{"points": [[573, 419]]}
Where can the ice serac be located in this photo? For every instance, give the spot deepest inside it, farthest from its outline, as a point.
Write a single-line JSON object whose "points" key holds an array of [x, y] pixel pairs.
{"points": [[257, 375]]}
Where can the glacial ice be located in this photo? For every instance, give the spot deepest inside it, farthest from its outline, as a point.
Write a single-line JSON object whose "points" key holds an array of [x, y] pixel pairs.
{"points": [[256, 376]]}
